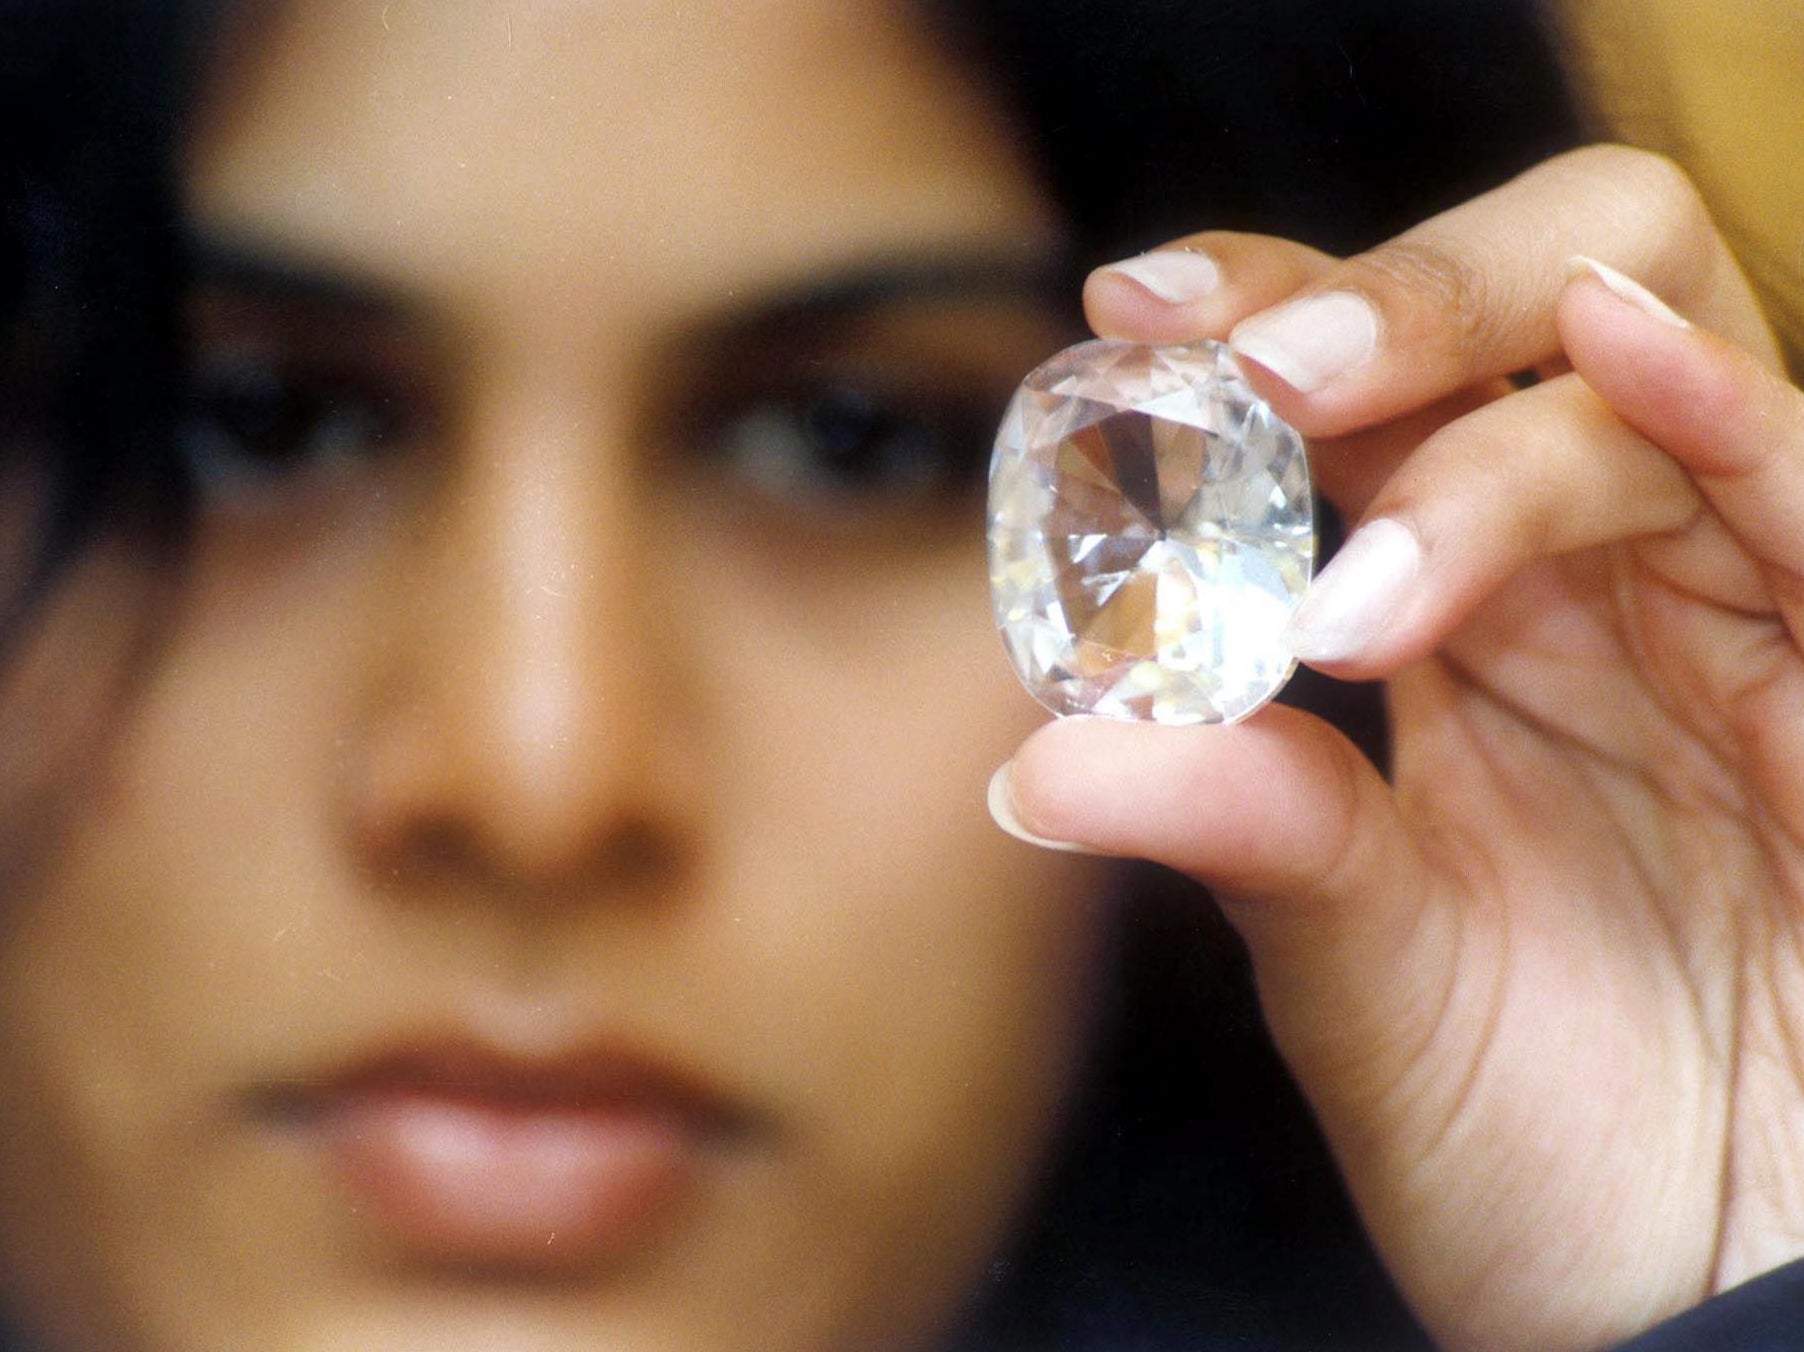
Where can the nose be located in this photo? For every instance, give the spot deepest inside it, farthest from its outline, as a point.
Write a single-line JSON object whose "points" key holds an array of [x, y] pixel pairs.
{"points": [[523, 719]]}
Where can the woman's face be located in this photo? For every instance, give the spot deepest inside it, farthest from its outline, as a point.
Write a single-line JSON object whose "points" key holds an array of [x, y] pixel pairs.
{"points": [[540, 895]]}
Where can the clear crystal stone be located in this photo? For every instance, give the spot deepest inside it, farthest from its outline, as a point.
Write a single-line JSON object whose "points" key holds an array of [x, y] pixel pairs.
{"points": [[1150, 532]]}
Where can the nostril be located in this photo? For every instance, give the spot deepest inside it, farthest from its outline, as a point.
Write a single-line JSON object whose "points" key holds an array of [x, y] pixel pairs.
{"points": [[642, 856], [444, 778], [631, 858], [431, 849]]}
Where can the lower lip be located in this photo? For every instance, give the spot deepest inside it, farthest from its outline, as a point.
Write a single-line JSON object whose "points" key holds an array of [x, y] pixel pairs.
{"points": [[505, 1185]]}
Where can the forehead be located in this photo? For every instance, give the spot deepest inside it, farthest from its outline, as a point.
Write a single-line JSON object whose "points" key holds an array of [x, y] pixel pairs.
{"points": [[469, 146]]}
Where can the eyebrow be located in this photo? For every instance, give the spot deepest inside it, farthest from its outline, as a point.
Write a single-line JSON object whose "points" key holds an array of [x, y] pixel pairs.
{"points": [[904, 279], [228, 265], [1047, 279], [1046, 283]]}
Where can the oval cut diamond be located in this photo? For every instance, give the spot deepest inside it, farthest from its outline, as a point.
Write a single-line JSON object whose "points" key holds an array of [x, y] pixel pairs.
{"points": [[1150, 532]]}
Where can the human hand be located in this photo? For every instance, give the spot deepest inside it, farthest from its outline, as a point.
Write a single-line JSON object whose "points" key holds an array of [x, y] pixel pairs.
{"points": [[1545, 988]]}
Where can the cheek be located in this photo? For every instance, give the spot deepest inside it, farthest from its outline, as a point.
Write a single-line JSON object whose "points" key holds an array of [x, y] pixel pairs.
{"points": [[856, 707], [150, 940], [939, 973], [67, 677]]}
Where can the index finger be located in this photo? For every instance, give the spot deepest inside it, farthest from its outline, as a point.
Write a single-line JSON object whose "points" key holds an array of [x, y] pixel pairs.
{"points": [[1470, 295]]}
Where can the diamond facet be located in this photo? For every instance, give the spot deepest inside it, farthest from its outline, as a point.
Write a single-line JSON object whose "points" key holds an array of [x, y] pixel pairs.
{"points": [[1150, 532]]}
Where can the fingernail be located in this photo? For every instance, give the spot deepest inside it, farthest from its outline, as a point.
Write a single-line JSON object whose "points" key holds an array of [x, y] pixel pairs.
{"points": [[1627, 288], [1002, 808], [1358, 595], [1175, 276], [1309, 343]]}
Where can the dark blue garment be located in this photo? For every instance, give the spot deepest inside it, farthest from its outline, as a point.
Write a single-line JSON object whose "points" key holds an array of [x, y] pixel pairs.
{"points": [[1764, 1315]]}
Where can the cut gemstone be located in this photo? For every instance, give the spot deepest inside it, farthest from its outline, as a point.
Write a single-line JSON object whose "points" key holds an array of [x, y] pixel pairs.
{"points": [[1151, 531]]}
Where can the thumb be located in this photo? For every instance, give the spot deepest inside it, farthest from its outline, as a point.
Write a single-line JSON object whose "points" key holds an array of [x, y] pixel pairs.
{"points": [[1302, 841]]}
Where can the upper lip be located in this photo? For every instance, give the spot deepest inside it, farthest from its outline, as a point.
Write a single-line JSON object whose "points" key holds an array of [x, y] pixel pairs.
{"points": [[591, 1075]]}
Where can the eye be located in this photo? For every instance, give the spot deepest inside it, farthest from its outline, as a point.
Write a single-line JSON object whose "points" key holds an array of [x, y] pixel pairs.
{"points": [[849, 448], [863, 409], [252, 422]]}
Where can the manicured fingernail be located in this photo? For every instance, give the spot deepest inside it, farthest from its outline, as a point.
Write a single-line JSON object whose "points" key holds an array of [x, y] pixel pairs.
{"points": [[1361, 591], [1627, 288], [1175, 276], [1309, 343], [1002, 808]]}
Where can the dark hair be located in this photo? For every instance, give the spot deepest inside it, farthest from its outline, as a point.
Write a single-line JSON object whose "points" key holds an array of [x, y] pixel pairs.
{"points": [[1336, 122], [88, 276]]}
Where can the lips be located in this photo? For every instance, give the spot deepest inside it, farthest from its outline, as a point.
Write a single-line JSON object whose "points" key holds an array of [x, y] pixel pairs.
{"points": [[463, 1154]]}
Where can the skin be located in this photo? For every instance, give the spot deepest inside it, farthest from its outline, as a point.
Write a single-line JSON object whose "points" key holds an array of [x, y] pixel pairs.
{"points": [[530, 717], [1546, 986]]}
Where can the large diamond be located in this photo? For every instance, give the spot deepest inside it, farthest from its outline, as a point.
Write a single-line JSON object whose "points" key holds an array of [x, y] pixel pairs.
{"points": [[1151, 532]]}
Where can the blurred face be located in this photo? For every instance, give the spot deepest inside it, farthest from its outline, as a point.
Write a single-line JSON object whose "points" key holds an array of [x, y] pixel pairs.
{"points": [[540, 895]]}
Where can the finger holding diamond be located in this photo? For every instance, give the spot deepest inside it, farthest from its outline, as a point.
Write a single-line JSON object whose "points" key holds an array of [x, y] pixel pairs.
{"points": [[1469, 296], [1545, 472], [1198, 286], [1292, 828], [1660, 422], [1352, 470]]}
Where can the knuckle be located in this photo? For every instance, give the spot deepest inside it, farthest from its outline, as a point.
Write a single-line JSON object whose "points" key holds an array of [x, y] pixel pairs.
{"points": [[1641, 189], [1461, 298], [1655, 177], [1443, 297]]}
